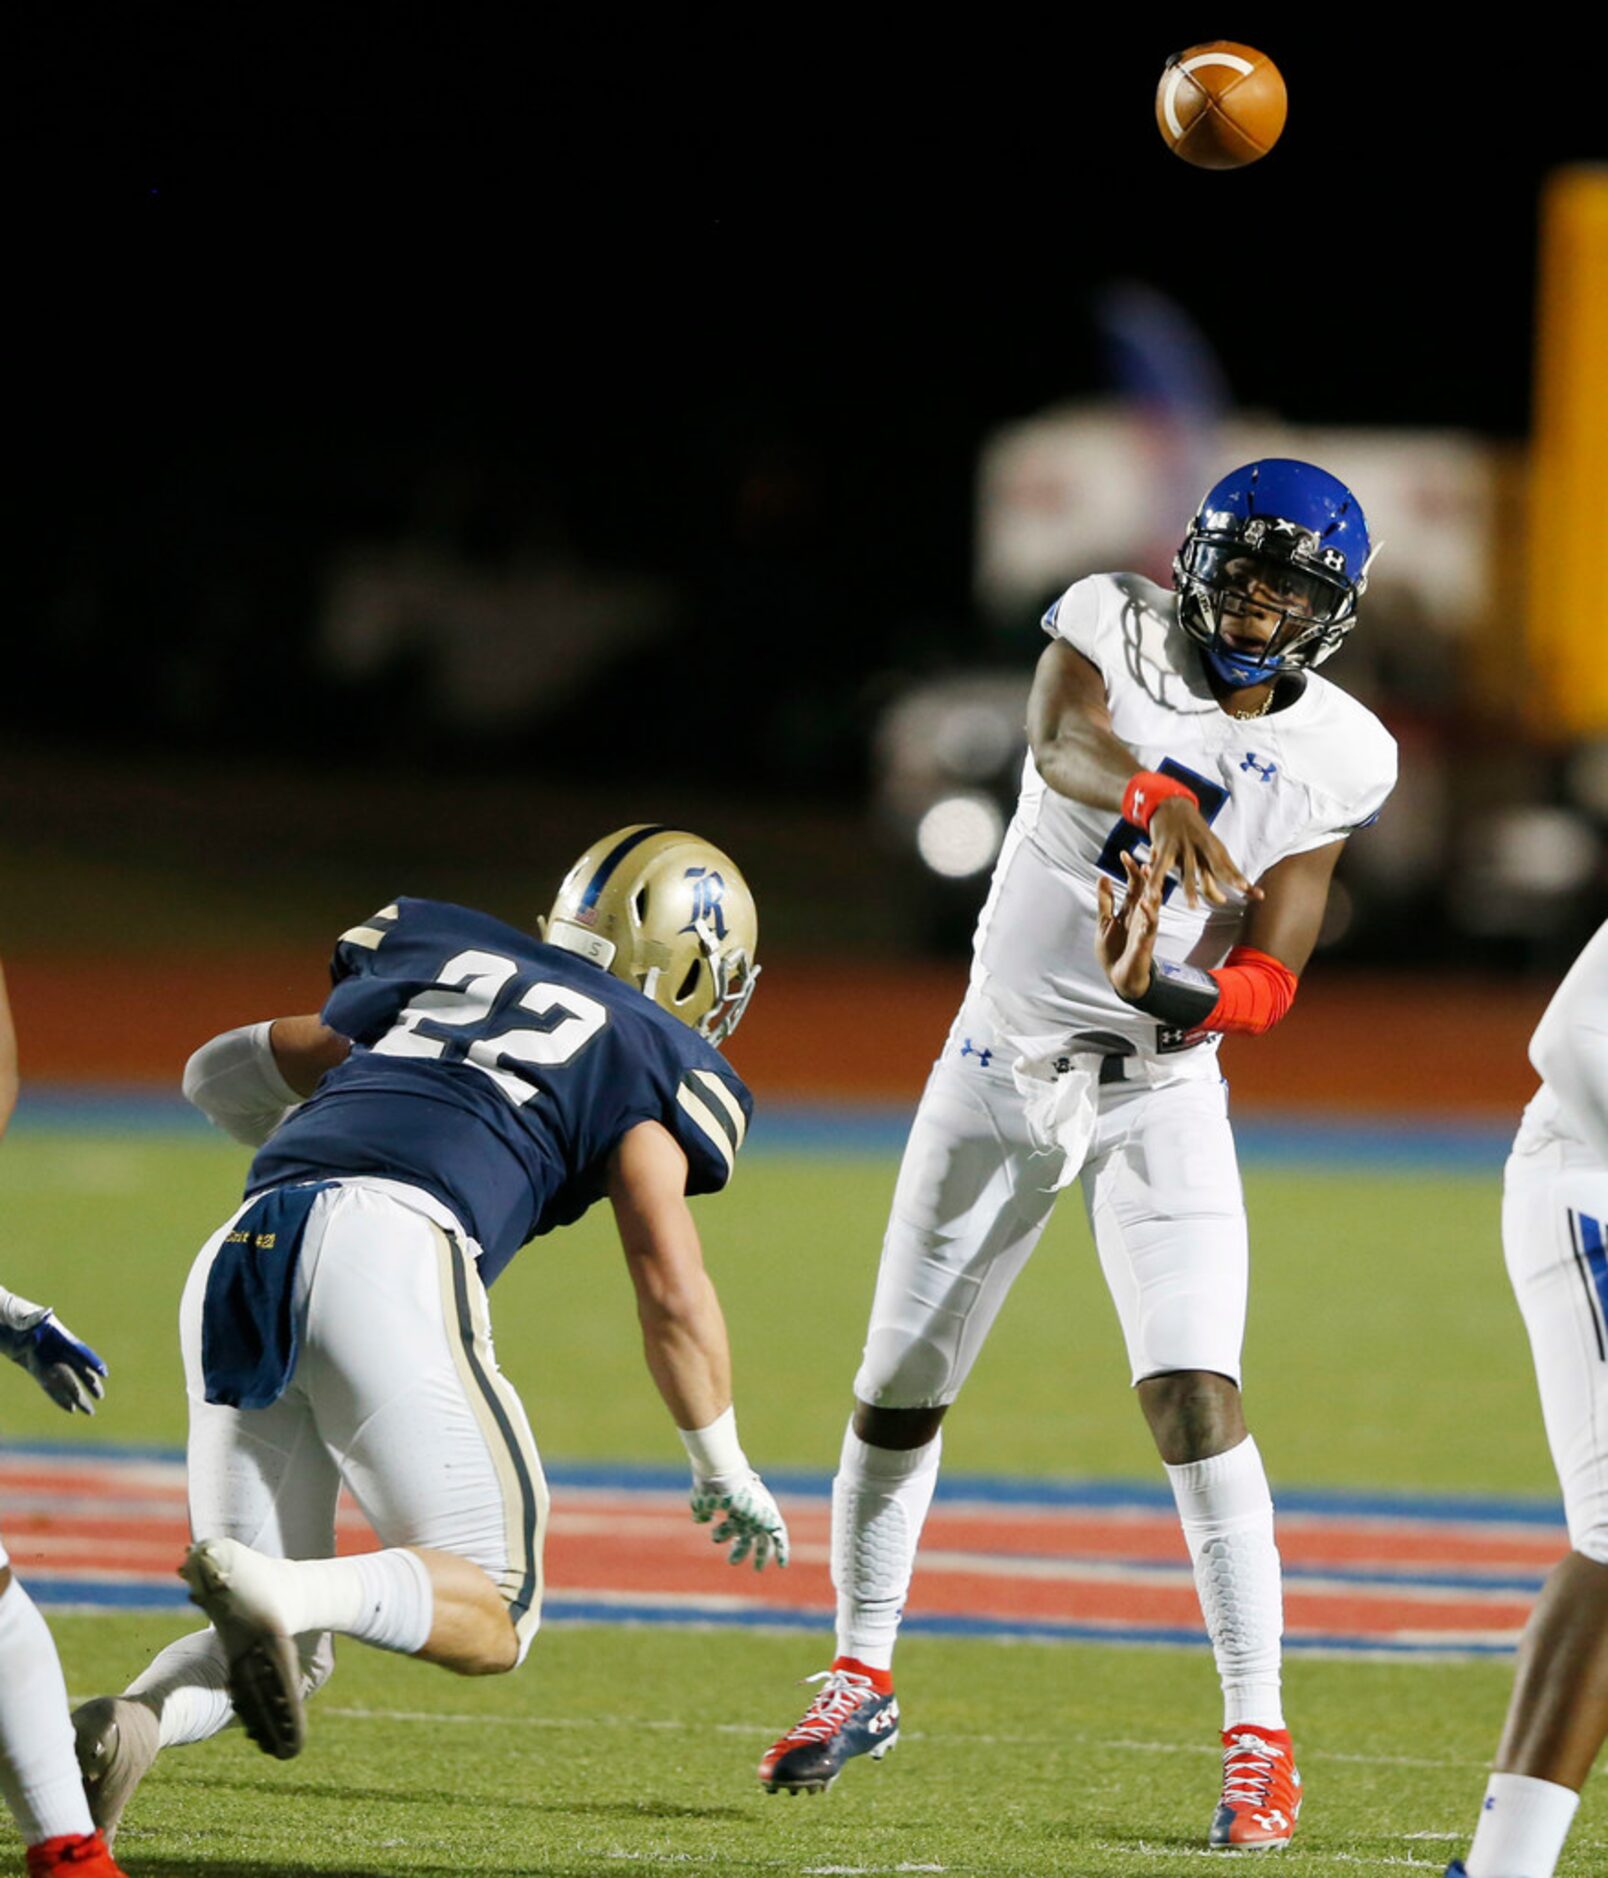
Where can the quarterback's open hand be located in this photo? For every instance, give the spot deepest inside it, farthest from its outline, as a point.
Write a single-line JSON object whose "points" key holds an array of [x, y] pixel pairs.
{"points": [[68, 1371], [1127, 933], [748, 1513], [1182, 844]]}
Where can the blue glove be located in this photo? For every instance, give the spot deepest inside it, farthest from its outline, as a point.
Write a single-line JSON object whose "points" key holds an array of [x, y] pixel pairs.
{"points": [[68, 1371]]}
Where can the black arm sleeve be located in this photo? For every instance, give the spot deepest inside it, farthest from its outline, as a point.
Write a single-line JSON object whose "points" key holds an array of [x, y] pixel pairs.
{"points": [[1181, 996]]}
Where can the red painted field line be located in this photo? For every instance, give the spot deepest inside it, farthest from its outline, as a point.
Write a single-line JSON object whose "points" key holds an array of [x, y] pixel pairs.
{"points": [[642, 1545]]}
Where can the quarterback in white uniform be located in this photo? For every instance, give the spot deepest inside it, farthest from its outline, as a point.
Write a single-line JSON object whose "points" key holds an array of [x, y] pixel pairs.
{"points": [[1190, 784], [1555, 1237]]}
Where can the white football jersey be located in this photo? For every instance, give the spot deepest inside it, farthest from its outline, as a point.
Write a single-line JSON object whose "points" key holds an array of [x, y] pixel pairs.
{"points": [[1273, 786], [1570, 1054]]}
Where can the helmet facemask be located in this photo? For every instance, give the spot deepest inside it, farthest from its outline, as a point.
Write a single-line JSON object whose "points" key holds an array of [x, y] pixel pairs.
{"points": [[732, 974], [1238, 559]]}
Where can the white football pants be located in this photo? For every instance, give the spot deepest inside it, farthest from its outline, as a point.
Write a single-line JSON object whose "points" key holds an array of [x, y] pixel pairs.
{"points": [[1555, 1239], [396, 1393], [1161, 1187]]}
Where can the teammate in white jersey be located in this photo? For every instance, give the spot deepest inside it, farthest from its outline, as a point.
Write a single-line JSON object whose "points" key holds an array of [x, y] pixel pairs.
{"points": [[1183, 748], [1555, 1237], [38, 1769]]}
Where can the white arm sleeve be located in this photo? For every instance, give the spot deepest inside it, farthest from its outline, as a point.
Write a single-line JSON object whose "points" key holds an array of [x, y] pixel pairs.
{"points": [[1570, 1045], [235, 1082]]}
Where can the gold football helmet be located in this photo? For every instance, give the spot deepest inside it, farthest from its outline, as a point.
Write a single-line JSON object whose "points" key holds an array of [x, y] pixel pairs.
{"points": [[668, 913]]}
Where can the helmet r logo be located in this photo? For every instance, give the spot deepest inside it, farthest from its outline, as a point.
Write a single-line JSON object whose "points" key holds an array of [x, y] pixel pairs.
{"points": [[708, 890]]}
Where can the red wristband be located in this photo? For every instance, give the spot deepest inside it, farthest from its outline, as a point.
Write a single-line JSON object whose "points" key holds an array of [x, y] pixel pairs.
{"points": [[1146, 791], [1254, 991]]}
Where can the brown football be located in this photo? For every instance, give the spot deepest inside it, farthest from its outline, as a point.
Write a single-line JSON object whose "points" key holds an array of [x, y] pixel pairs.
{"points": [[1220, 105]]}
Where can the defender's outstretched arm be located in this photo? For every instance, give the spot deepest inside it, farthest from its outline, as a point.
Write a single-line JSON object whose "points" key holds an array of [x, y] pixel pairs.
{"points": [[684, 1339]]}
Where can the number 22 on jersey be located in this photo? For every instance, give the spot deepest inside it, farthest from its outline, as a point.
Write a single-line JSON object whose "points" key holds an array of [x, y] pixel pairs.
{"points": [[458, 1020]]}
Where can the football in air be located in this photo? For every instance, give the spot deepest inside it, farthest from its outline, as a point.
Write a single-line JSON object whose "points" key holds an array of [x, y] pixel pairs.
{"points": [[1220, 105]]}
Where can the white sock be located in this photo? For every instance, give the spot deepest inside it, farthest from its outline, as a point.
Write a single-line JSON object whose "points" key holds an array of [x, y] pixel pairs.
{"points": [[187, 1684], [383, 1598], [38, 1767], [1227, 1514], [1523, 1825], [879, 1504]]}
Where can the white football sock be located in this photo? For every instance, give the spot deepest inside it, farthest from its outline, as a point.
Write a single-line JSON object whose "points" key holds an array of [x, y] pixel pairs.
{"points": [[1523, 1825], [187, 1684], [383, 1598], [1227, 1514], [879, 1504], [38, 1767]]}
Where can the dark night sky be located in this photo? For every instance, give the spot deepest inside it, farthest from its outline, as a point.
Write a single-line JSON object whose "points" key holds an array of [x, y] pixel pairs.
{"points": [[275, 281]]}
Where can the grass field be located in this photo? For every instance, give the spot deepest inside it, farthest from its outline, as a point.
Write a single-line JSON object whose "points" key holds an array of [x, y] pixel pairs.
{"points": [[1384, 1351]]}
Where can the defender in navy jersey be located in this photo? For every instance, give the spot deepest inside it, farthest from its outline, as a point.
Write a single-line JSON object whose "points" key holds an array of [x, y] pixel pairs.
{"points": [[466, 1088], [498, 1073]]}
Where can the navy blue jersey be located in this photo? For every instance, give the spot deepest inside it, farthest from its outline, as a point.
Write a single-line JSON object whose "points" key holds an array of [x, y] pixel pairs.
{"points": [[499, 1074]]}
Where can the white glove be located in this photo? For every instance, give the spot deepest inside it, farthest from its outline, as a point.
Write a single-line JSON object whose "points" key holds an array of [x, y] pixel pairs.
{"points": [[752, 1517], [235, 1082], [67, 1370], [723, 1483]]}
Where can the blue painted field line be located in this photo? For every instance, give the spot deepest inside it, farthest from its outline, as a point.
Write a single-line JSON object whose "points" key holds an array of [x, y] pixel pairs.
{"points": [[866, 1130], [559, 1609], [108, 1593], [953, 1489]]}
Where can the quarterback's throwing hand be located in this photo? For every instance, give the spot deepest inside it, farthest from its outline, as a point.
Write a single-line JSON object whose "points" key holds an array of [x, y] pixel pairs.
{"points": [[748, 1513], [68, 1371], [1181, 843]]}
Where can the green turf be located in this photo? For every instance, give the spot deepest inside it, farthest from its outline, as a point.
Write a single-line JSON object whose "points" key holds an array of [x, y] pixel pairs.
{"points": [[633, 1750], [1384, 1350], [1384, 1346]]}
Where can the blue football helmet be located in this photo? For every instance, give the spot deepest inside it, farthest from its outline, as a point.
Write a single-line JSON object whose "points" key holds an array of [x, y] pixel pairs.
{"points": [[1274, 536]]}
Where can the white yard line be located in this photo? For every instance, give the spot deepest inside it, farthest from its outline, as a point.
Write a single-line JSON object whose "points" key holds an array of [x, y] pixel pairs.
{"points": [[756, 1730]]}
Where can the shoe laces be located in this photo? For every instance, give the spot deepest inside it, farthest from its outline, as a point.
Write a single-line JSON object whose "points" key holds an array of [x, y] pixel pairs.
{"points": [[842, 1695], [1250, 1766]]}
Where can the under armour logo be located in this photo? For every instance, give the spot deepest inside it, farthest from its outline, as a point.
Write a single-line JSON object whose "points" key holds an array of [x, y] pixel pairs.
{"points": [[708, 890], [968, 1048], [1266, 771], [1272, 1821]]}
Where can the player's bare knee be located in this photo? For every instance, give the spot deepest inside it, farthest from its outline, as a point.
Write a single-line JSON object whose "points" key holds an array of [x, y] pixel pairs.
{"points": [[1193, 1414], [497, 1649], [897, 1428]]}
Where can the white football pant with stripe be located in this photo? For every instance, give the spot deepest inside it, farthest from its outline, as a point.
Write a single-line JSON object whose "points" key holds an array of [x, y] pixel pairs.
{"points": [[1160, 1186], [395, 1394], [1555, 1238]]}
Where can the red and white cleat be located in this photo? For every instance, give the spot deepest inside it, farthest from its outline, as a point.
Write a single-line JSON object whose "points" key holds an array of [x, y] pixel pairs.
{"points": [[852, 1715], [80, 1855], [1261, 1791]]}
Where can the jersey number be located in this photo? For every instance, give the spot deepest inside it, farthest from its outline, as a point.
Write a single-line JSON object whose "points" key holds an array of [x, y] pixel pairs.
{"points": [[1126, 839], [474, 1016]]}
